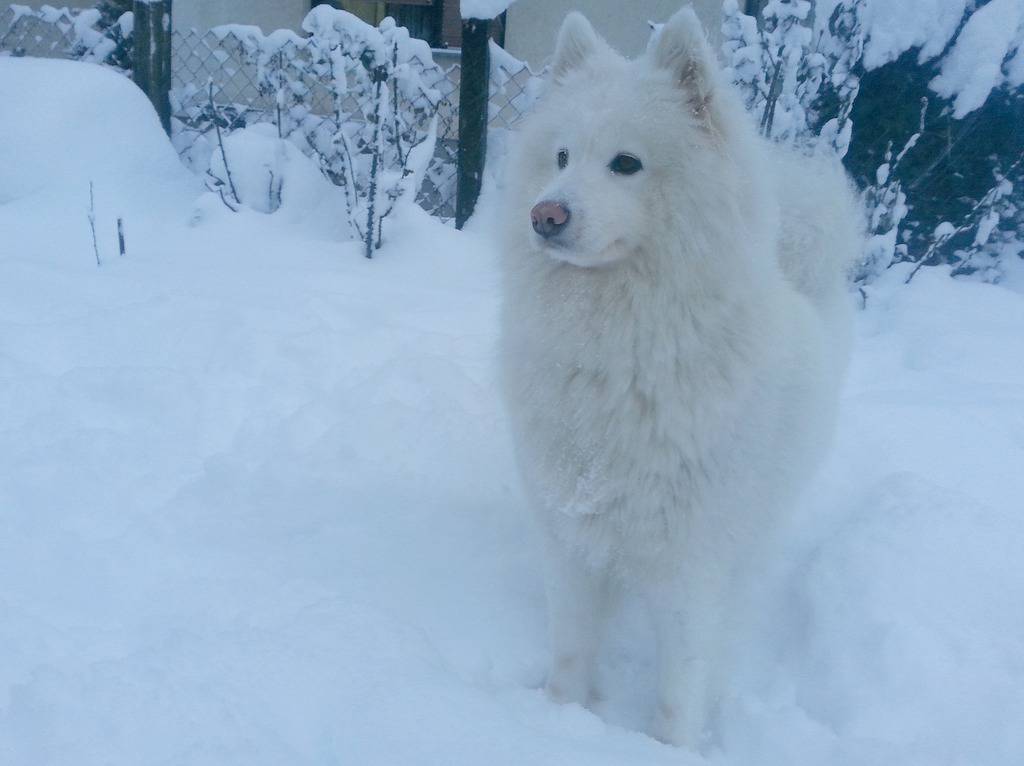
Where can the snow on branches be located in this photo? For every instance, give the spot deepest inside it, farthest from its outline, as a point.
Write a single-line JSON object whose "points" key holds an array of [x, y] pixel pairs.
{"points": [[988, 53], [800, 69], [985, 247], [786, 66], [96, 35], [886, 204], [357, 97]]}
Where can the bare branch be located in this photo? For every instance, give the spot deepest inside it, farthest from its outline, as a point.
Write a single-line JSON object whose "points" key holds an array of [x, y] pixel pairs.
{"points": [[223, 154], [92, 224]]}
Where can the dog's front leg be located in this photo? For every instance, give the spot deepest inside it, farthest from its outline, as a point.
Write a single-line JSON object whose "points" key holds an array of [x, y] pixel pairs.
{"points": [[687, 619], [577, 611]]}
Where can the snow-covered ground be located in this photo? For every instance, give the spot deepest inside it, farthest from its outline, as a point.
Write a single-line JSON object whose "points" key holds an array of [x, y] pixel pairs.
{"points": [[258, 506]]}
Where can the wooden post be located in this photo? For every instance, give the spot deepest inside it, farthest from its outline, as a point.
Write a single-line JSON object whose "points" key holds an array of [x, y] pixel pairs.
{"points": [[474, 98], [151, 54]]}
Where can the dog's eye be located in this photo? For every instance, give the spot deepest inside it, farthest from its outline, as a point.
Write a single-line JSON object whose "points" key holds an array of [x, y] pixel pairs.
{"points": [[625, 164], [563, 158]]}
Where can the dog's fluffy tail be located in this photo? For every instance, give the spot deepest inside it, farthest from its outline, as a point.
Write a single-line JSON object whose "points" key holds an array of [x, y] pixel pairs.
{"points": [[820, 240], [821, 231]]}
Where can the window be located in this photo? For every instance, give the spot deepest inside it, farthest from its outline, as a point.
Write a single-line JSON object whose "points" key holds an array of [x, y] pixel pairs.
{"points": [[423, 18]]}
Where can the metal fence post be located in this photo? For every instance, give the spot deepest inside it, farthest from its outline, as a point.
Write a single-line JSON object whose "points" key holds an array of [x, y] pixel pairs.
{"points": [[151, 54], [474, 96]]}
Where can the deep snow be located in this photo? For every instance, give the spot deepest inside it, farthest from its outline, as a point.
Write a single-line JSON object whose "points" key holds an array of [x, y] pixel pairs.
{"points": [[258, 504]]}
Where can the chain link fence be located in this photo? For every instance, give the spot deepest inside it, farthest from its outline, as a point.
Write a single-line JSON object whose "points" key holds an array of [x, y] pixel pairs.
{"points": [[216, 76], [218, 79], [53, 33]]}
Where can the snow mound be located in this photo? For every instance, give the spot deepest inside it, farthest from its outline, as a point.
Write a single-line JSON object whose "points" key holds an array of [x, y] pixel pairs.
{"points": [[912, 603], [271, 175], [68, 123]]}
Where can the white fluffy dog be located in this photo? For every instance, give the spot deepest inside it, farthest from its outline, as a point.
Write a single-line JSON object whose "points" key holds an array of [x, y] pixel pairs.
{"points": [[674, 333]]}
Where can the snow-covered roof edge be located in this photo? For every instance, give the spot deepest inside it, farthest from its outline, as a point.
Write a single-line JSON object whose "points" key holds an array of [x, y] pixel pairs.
{"points": [[484, 9]]}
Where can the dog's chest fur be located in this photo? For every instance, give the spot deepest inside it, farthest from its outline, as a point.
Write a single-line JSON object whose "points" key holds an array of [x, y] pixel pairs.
{"points": [[637, 408]]}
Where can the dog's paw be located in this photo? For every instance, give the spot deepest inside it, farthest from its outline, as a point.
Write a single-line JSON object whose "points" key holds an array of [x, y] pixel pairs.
{"points": [[564, 691], [570, 682], [672, 728]]}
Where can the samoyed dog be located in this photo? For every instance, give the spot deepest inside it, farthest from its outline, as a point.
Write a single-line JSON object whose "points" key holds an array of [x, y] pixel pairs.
{"points": [[674, 332]]}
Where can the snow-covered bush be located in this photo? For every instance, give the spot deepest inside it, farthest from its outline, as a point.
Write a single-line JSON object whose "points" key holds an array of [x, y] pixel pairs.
{"points": [[849, 76], [357, 97], [988, 242], [269, 174], [116, 22], [396, 113], [886, 206], [797, 72], [962, 177]]}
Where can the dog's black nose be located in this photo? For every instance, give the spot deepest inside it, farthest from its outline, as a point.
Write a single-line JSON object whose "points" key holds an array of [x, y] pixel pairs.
{"points": [[549, 218]]}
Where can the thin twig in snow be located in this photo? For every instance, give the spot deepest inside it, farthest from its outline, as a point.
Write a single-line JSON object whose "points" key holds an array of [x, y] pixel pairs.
{"points": [[274, 192], [395, 118], [223, 154], [92, 224], [379, 75], [228, 205], [912, 141], [991, 196]]}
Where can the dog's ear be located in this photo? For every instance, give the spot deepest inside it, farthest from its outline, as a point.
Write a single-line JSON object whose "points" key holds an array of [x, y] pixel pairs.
{"points": [[683, 50], [577, 44]]}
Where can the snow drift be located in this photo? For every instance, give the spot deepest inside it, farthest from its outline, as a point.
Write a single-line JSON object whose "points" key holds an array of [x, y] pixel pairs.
{"points": [[258, 504]]}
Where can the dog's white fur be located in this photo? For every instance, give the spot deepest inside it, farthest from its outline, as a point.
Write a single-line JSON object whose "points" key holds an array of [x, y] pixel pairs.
{"points": [[671, 364]]}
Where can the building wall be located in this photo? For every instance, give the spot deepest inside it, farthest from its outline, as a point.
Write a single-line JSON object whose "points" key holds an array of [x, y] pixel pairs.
{"points": [[533, 24], [530, 34], [451, 31], [266, 14]]}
